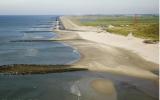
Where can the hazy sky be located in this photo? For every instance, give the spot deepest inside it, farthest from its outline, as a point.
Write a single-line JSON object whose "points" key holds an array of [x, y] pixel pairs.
{"points": [[78, 7]]}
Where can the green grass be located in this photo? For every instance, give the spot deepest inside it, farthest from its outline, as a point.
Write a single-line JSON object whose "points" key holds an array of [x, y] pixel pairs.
{"points": [[149, 31], [146, 26]]}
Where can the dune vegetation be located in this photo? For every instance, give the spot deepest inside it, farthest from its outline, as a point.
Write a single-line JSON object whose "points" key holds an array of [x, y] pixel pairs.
{"points": [[143, 26]]}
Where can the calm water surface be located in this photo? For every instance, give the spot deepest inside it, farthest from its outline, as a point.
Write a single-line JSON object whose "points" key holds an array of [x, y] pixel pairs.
{"points": [[32, 28], [56, 86]]}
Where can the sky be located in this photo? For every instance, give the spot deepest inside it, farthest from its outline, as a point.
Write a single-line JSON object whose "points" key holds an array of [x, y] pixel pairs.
{"points": [[78, 7]]}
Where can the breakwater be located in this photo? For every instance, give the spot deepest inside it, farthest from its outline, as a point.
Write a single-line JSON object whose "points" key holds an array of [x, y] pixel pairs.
{"points": [[37, 69], [59, 25]]}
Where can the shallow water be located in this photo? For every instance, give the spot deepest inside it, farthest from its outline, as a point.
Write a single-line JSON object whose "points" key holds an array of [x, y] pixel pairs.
{"points": [[32, 28], [56, 86], [72, 86]]}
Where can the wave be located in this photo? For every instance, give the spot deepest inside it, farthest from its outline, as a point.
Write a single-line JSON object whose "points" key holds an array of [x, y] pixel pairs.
{"points": [[31, 36], [36, 31], [75, 89]]}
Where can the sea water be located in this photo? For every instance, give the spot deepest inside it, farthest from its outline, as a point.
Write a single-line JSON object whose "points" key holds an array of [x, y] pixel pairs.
{"points": [[14, 28], [55, 86]]}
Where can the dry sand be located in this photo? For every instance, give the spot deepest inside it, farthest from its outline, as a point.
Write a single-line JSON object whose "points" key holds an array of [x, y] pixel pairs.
{"points": [[105, 52], [136, 45], [99, 57], [100, 54]]}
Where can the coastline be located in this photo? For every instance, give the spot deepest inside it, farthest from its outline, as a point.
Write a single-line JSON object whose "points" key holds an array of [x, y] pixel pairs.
{"points": [[148, 52], [99, 72], [98, 56]]}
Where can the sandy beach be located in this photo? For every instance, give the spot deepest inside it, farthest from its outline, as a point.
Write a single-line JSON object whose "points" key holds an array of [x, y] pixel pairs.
{"points": [[110, 53], [96, 67], [105, 52], [136, 45]]}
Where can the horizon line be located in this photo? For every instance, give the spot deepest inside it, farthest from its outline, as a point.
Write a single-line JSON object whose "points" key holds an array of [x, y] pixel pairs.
{"points": [[75, 14]]}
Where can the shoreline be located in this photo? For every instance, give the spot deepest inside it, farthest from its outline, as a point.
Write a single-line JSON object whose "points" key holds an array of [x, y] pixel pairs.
{"points": [[100, 72], [147, 51], [101, 57]]}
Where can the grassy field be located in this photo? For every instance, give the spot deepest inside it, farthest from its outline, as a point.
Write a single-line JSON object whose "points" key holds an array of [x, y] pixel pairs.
{"points": [[145, 26]]}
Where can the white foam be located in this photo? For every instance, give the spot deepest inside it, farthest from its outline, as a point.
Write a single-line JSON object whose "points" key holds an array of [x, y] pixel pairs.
{"points": [[75, 89]]}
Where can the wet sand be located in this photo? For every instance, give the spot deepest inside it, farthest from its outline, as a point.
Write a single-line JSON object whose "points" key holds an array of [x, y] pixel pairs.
{"points": [[148, 52], [105, 87], [114, 74], [100, 57], [105, 58]]}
